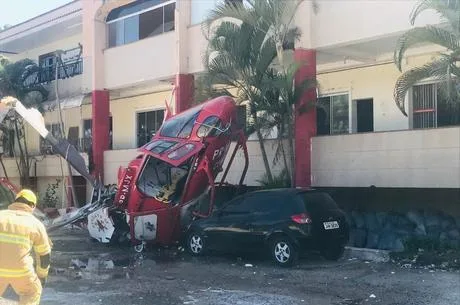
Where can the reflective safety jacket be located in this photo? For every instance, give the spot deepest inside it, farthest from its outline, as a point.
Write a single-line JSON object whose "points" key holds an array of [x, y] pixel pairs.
{"points": [[20, 233]]}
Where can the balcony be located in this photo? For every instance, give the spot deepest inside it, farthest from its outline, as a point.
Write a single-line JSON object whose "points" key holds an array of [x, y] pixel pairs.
{"points": [[423, 158], [48, 74], [143, 61]]}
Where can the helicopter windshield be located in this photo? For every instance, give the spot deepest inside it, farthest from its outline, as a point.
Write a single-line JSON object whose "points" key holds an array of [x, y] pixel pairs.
{"points": [[162, 181]]}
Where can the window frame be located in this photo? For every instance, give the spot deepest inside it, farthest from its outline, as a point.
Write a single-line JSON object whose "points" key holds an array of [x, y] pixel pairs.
{"points": [[240, 200], [350, 111], [136, 125], [83, 136], [410, 105], [138, 13], [45, 147]]}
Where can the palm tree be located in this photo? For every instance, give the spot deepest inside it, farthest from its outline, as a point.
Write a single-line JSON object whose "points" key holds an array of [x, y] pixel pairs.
{"points": [[444, 68], [19, 79], [242, 50]]}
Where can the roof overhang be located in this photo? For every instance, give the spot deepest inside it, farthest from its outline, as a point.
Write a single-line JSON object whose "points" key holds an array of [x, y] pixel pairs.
{"points": [[54, 25], [66, 103]]}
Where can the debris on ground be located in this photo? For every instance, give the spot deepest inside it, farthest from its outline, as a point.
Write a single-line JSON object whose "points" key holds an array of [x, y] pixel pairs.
{"points": [[428, 259]]}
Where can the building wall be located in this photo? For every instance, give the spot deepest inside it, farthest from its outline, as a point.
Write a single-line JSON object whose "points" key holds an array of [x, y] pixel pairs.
{"points": [[425, 158], [339, 21], [375, 82], [124, 112], [147, 59], [63, 44]]}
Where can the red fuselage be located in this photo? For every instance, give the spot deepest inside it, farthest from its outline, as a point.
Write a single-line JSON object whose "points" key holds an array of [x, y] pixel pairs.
{"points": [[178, 165]]}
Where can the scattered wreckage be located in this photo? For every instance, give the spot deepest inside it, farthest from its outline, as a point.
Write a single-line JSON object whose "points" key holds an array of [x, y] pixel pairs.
{"points": [[171, 182]]}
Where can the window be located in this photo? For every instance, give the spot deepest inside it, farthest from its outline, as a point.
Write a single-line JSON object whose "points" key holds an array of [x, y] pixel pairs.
{"points": [[148, 123], [181, 126], [161, 180], [268, 202], [430, 108], [211, 127], [364, 115], [47, 64], [237, 205], [72, 65], [242, 116], [45, 147], [332, 115], [139, 20], [160, 146], [86, 141], [317, 202]]}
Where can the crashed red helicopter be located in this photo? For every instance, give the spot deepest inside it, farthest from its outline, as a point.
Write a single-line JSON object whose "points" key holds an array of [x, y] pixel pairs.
{"points": [[170, 182]]}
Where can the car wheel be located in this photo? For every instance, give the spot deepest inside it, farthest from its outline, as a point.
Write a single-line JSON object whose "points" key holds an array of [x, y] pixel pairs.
{"points": [[196, 244], [332, 253], [283, 251]]}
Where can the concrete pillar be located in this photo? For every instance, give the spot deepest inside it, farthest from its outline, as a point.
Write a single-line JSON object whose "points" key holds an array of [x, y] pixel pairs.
{"points": [[184, 82], [100, 129], [305, 118], [94, 43], [183, 96]]}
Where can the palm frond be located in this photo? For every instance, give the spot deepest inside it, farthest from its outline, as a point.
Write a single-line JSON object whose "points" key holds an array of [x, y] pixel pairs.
{"points": [[447, 10], [436, 69], [427, 34], [233, 13]]}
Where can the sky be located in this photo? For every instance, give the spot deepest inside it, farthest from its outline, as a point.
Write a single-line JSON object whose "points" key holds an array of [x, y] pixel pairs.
{"points": [[17, 11]]}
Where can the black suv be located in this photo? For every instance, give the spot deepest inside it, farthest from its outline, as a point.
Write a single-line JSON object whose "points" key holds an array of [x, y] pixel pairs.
{"points": [[284, 222]]}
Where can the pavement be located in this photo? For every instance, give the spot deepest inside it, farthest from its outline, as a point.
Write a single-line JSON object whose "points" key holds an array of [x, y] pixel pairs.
{"points": [[85, 272]]}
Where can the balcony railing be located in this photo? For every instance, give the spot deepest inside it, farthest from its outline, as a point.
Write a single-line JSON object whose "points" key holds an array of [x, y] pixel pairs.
{"points": [[48, 74]]}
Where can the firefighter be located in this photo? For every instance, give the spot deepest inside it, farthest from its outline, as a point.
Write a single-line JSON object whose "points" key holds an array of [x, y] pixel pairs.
{"points": [[20, 233]]}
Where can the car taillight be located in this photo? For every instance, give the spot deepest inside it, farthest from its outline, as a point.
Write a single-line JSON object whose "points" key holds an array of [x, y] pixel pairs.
{"points": [[301, 218]]}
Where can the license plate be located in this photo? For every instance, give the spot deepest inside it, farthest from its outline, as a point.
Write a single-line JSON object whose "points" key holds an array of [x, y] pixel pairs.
{"points": [[330, 225]]}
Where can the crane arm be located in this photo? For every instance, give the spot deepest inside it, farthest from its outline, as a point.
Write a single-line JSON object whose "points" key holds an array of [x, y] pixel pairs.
{"points": [[61, 146]]}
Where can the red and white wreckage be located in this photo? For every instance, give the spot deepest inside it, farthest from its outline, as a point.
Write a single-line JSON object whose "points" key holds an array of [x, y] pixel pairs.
{"points": [[171, 182]]}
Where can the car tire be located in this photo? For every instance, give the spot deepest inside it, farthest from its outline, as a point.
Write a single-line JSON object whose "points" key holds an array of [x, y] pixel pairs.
{"points": [[283, 252], [332, 253], [195, 244]]}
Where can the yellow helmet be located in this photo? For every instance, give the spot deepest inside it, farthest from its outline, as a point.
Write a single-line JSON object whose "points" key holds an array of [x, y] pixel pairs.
{"points": [[28, 195]]}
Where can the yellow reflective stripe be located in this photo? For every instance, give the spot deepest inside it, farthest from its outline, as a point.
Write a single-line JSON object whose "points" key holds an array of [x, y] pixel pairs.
{"points": [[15, 239], [42, 249], [14, 272], [42, 273]]}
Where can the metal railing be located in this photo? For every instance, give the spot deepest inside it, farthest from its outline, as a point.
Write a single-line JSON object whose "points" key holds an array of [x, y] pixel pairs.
{"points": [[48, 74]]}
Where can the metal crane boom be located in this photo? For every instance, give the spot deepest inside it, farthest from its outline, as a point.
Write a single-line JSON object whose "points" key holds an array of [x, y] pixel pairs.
{"points": [[61, 146]]}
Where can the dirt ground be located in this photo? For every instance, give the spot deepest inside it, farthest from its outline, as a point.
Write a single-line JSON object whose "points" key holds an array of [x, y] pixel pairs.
{"points": [[84, 272]]}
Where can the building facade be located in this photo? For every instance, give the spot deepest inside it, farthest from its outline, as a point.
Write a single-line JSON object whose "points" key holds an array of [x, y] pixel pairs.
{"points": [[135, 55]]}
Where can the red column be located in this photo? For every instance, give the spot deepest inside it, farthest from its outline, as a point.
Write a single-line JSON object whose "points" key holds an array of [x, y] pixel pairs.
{"points": [[305, 118], [183, 95], [100, 129]]}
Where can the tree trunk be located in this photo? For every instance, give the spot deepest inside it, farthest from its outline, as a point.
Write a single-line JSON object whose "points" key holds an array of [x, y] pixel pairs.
{"points": [[289, 114], [262, 149], [3, 167], [291, 150], [283, 151], [24, 170]]}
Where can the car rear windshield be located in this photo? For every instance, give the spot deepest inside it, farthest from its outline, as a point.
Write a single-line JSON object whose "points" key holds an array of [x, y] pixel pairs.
{"points": [[317, 201]]}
